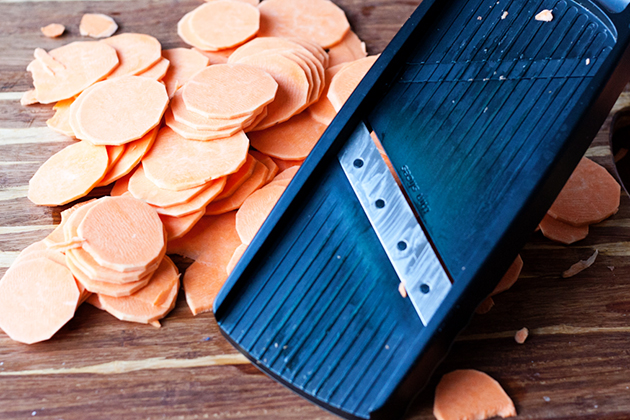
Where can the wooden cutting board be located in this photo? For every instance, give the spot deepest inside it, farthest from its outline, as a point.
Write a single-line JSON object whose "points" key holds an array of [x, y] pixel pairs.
{"points": [[575, 365]]}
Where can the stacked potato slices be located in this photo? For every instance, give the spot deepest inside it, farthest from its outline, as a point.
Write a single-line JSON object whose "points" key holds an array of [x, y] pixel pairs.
{"points": [[297, 65], [221, 100]]}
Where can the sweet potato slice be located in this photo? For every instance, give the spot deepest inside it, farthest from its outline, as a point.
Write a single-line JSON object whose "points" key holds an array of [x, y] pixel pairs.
{"points": [[53, 30], [347, 79], [216, 57], [291, 140], [169, 165], [318, 20], [190, 133], [133, 154], [237, 179], [351, 48], [101, 287], [238, 253], [197, 203], [60, 122], [229, 91], [122, 233], [213, 243], [285, 177], [176, 227], [143, 189], [198, 122], [293, 87], [265, 46], [254, 211], [121, 186], [222, 24], [85, 63], [97, 25], [470, 394], [323, 111], [267, 161], [68, 174], [157, 71], [562, 232], [37, 298], [236, 200], [139, 104], [187, 35], [510, 277], [29, 98], [590, 195], [283, 165], [149, 304], [185, 63], [137, 52]]}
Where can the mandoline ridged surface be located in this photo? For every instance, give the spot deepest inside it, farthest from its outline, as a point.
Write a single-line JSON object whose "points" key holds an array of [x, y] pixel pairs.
{"points": [[333, 328], [318, 306], [485, 93]]}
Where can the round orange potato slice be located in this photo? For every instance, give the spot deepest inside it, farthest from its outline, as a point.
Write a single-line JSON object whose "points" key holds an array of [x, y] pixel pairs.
{"points": [[60, 122], [122, 233], [293, 87], [169, 164], [121, 110], [350, 48], [254, 211], [152, 302], [182, 115], [347, 79], [37, 298], [143, 189], [229, 91], [290, 140], [137, 52], [157, 71], [105, 288], [68, 174], [185, 62], [321, 21], [590, 195], [222, 24], [78, 65]]}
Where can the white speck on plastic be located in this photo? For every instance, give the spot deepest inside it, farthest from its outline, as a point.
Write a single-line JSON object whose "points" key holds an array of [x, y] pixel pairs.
{"points": [[501, 77], [547, 399], [478, 17], [504, 15], [588, 61]]}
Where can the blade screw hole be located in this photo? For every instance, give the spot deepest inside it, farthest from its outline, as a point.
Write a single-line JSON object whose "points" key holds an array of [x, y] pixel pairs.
{"points": [[380, 203], [425, 288], [358, 163], [402, 245]]}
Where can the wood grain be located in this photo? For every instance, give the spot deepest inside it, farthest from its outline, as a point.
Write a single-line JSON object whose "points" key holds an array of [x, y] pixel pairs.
{"points": [[575, 364]]}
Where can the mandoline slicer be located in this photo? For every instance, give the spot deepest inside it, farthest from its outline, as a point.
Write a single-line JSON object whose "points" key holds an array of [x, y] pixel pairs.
{"points": [[484, 112]]}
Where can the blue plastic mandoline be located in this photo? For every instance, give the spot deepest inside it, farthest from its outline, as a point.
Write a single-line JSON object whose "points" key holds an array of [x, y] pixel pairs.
{"points": [[484, 111]]}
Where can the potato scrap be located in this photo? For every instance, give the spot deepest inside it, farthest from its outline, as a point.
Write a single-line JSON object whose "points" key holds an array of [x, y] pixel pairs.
{"points": [[53, 30], [470, 394], [521, 335], [97, 25], [580, 266]]}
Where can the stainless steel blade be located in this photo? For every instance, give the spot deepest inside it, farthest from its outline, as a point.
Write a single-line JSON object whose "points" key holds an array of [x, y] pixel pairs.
{"points": [[395, 224]]}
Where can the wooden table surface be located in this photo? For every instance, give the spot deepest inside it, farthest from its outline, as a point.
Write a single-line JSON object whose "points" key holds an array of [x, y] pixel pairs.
{"points": [[575, 365]]}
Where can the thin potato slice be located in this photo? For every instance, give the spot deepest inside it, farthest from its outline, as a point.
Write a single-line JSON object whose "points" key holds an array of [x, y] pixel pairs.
{"points": [[169, 165], [134, 105], [68, 174], [137, 52], [85, 63], [222, 24], [122, 233]]}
